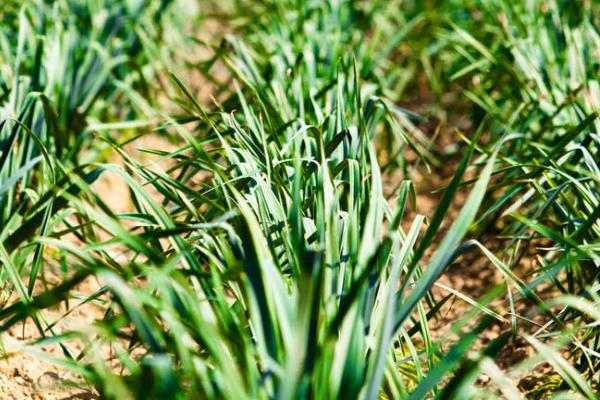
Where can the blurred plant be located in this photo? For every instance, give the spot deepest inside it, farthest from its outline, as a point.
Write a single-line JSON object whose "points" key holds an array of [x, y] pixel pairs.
{"points": [[63, 65]]}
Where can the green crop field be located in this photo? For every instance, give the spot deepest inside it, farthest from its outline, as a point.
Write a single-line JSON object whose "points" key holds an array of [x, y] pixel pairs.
{"points": [[299, 199]]}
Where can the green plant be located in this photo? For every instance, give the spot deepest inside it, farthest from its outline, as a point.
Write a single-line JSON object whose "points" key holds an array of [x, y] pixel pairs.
{"points": [[263, 258], [284, 285], [64, 64]]}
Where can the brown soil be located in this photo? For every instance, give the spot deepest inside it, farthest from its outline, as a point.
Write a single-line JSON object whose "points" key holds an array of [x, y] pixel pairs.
{"points": [[25, 375]]}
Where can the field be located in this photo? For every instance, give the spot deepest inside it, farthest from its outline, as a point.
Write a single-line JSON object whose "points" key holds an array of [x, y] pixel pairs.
{"points": [[299, 199]]}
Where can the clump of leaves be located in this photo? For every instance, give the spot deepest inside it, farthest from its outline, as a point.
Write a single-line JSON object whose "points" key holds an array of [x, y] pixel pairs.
{"points": [[296, 278]]}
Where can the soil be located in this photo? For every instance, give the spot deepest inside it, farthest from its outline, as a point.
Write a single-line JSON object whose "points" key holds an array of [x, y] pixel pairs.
{"points": [[25, 375]]}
